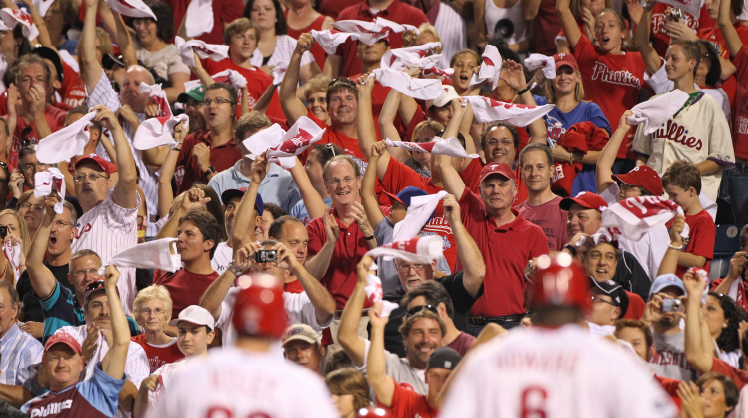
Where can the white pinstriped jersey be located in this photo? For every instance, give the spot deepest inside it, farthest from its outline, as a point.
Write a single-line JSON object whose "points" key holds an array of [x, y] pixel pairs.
{"points": [[136, 367], [108, 229], [104, 94], [230, 382], [452, 29], [554, 374]]}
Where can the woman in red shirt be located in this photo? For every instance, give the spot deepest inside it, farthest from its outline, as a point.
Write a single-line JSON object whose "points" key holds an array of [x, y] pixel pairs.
{"points": [[302, 18]]}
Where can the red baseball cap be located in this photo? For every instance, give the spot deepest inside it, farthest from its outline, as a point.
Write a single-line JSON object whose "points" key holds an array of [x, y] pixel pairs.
{"points": [[373, 412], [558, 281], [104, 164], [586, 200], [259, 310], [64, 338], [566, 59], [496, 168], [642, 176]]}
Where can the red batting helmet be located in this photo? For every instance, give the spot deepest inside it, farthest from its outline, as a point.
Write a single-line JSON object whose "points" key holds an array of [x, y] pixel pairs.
{"points": [[559, 282], [259, 308], [373, 412]]}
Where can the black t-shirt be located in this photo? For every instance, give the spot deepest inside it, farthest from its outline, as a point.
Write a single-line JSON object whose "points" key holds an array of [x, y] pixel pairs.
{"points": [[461, 299], [32, 310]]}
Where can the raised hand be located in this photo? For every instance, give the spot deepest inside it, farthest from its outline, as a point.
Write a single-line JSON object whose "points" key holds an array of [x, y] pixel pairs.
{"points": [[126, 114], [376, 320], [363, 267], [451, 209], [515, 76], [181, 131], [622, 123], [378, 150], [304, 43], [194, 199], [151, 110], [38, 99], [332, 229], [111, 276], [259, 169], [359, 215], [202, 153], [90, 345], [106, 118]]}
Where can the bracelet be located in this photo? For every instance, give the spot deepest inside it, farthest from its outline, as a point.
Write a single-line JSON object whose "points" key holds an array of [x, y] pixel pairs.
{"points": [[523, 91], [176, 149], [681, 248], [370, 237], [571, 249]]}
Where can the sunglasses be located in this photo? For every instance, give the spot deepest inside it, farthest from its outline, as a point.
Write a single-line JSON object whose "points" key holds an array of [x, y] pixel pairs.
{"points": [[343, 80], [414, 310]]}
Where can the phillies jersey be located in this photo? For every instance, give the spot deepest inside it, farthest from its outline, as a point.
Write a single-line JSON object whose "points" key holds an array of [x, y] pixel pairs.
{"points": [[552, 373], [231, 382], [697, 133]]}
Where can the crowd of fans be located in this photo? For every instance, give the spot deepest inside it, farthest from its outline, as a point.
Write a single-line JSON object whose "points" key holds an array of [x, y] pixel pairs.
{"points": [[157, 265]]}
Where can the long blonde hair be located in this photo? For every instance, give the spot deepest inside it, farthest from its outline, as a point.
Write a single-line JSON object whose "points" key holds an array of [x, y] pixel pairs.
{"points": [[23, 231], [578, 90]]}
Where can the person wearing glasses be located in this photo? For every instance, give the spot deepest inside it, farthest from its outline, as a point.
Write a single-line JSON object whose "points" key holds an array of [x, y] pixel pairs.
{"points": [[28, 165], [609, 303], [152, 310], [30, 209]]}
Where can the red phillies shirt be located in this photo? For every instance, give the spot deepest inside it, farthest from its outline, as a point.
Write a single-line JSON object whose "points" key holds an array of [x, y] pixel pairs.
{"points": [[661, 41], [159, 355], [331, 136], [257, 83], [397, 12], [406, 403], [184, 287], [221, 157], [612, 82], [72, 91], [224, 12], [740, 377], [740, 106], [506, 250], [27, 130], [701, 238]]}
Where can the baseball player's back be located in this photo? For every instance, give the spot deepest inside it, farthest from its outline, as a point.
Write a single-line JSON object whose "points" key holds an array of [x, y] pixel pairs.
{"points": [[238, 383], [554, 373]]}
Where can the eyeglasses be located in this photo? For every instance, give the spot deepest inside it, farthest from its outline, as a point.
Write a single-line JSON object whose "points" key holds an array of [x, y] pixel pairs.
{"points": [[495, 142], [624, 187], [412, 311], [92, 272], [346, 180], [62, 224], [218, 100], [26, 205], [37, 166], [157, 311], [416, 267], [598, 299], [92, 177]]}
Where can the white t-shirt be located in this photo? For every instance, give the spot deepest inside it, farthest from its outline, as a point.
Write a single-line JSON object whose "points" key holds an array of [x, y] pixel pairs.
{"points": [[221, 257]]}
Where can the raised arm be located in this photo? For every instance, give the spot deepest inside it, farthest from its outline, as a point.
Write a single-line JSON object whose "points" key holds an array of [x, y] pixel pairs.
{"points": [[124, 41], [387, 124], [515, 78], [242, 232], [376, 369], [669, 263], [191, 199], [568, 23], [292, 107], [367, 133], [90, 65], [215, 293], [114, 361], [604, 169], [124, 191], [43, 37], [451, 179], [728, 30], [321, 299], [313, 202], [736, 271], [165, 190], [41, 277], [479, 13], [693, 347], [354, 345], [368, 196], [474, 266], [641, 40]]}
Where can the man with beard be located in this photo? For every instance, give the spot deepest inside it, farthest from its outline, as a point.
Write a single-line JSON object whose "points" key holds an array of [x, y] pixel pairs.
{"points": [[193, 107]]}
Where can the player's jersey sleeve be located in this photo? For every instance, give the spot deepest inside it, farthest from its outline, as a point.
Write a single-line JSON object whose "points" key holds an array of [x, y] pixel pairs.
{"points": [[465, 393]]}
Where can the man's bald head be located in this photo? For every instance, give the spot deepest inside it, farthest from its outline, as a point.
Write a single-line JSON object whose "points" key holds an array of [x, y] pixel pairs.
{"points": [[130, 90]]}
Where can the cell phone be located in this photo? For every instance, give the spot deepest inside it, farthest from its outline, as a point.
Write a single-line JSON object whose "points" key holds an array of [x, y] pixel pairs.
{"points": [[671, 305], [3, 232], [21, 185], [676, 14], [265, 256]]}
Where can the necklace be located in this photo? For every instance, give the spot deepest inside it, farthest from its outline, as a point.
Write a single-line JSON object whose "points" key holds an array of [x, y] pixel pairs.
{"points": [[299, 12]]}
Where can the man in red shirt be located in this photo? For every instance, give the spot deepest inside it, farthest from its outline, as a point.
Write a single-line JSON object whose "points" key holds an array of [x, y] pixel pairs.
{"points": [[371, 59], [506, 240], [344, 61]]}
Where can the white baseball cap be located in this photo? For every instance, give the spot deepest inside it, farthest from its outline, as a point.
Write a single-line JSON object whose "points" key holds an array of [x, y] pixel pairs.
{"points": [[448, 93], [195, 315]]}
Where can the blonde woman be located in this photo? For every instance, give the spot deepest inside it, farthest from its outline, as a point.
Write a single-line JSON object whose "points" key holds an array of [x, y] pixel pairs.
{"points": [[15, 232]]}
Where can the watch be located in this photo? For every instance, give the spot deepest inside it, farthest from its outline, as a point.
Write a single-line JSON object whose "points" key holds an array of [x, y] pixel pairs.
{"points": [[237, 271], [209, 171]]}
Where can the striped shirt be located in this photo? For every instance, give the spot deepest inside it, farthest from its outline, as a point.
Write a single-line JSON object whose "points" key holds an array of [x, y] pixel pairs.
{"points": [[105, 95], [108, 229], [19, 351], [452, 29]]}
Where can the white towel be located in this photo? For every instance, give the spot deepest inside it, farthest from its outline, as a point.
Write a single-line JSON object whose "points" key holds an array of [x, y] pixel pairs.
{"points": [[279, 72], [415, 250], [157, 254], [535, 61], [192, 85], [158, 96], [199, 18], [330, 40], [42, 6], [48, 181], [413, 56], [231, 77], [632, 218], [298, 139], [262, 140], [417, 88], [490, 68], [13, 254], [419, 212], [65, 143], [14, 17], [689, 6], [186, 49], [132, 8], [375, 293], [653, 113], [743, 16], [69, 60], [488, 110], [438, 71], [440, 146], [372, 32], [155, 132]]}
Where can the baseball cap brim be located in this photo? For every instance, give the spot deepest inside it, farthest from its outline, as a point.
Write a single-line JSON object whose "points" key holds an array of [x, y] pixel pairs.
{"points": [[616, 291], [175, 322], [108, 61], [65, 339], [48, 53], [194, 94], [109, 168], [395, 198], [300, 337]]}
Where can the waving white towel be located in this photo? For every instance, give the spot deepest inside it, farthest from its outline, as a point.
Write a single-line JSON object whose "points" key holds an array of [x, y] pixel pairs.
{"points": [[12, 253], [298, 139], [48, 181], [279, 72], [155, 132], [199, 18], [375, 293], [157, 254], [371, 32], [14, 17], [186, 49], [535, 61], [653, 113], [262, 140], [417, 88], [43, 6], [330, 40], [412, 56], [635, 216], [440, 146], [488, 110], [419, 212], [490, 68], [230, 77], [65, 143], [416, 250], [158, 96], [132, 8]]}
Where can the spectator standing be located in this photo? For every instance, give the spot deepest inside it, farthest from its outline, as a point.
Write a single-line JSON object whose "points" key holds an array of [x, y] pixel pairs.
{"points": [[152, 310]]}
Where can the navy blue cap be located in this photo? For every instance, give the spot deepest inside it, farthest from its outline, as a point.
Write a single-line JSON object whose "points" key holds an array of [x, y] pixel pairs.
{"points": [[229, 194], [406, 194]]}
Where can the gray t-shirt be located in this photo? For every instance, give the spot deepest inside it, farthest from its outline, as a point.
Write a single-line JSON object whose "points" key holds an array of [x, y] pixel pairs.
{"points": [[670, 359], [400, 370], [164, 62]]}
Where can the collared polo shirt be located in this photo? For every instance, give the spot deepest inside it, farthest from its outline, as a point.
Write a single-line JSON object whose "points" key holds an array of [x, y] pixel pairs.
{"points": [[506, 250], [222, 158]]}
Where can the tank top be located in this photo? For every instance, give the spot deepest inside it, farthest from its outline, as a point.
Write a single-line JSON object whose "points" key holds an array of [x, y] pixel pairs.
{"points": [[319, 54], [508, 23]]}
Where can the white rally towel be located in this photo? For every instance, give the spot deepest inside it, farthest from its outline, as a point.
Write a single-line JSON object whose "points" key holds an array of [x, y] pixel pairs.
{"points": [[199, 18], [231, 77], [192, 85], [279, 72], [419, 212], [12, 253], [415, 250], [438, 71], [132, 8], [298, 139], [65, 143], [42, 6], [157, 254], [14, 17], [48, 182], [371, 32], [330, 40], [653, 113], [535, 61], [412, 56], [375, 293], [743, 16], [262, 140], [155, 132], [633, 217], [490, 68], [158, 96], [186, 49], [440, 146], [689, 6], [417, 88], [488, 110]]}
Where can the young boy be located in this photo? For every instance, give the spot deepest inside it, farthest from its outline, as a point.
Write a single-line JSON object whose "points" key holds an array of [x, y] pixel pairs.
{"points": [[682, 182]]}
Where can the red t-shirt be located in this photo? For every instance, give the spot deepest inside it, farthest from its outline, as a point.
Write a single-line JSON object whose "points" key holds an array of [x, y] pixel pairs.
{"points": [[406, 403], [551, 218], [740, 377], [611, 81], [184, 287], [319, 54], [257, 83], [27, 130], [547, 18], [159, 355], [72, 90], [224, 12], [740, 106], [221, 157], [333, 8], [331, 136], [671, 387], [506, 250], [293, 287], [397, 12], [636, 306], [660, 40], [701, 238], [462, 343]]}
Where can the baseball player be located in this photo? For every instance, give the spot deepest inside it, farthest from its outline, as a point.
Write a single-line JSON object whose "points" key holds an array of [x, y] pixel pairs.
{"points": [[251, 379], [554, 369]]}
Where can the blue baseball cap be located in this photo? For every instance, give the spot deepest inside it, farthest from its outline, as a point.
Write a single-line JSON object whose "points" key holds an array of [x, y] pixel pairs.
{"points": [[229, 194], [664, 281], [406, 194]]}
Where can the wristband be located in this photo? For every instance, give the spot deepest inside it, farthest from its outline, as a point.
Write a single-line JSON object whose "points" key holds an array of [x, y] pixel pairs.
{"points": [[370, 237], [523, 91], [571, 249]]}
